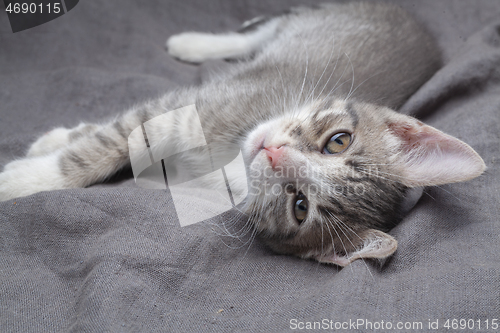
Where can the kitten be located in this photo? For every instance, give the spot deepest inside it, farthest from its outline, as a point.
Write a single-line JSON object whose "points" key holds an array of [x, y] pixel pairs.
{"points": [[313, 90]]}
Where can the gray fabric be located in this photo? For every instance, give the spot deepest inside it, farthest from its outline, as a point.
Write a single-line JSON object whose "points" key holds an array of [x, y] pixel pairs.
{"points": [[113, 257]]}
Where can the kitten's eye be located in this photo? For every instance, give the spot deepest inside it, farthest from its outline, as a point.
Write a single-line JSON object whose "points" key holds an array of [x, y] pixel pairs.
{"points": [[300, 208], [337, 143]]}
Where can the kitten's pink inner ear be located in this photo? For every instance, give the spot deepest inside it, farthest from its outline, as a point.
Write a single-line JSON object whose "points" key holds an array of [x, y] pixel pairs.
{"points": [[376, 244], [430, 157]]}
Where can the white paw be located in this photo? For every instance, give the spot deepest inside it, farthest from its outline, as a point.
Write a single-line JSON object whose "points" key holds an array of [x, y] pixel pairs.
{"points": [[188, 46], [50, 142], [30, 175], [198, 47]]}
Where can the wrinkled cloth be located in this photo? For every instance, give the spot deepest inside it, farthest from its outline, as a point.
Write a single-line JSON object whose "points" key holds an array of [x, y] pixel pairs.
{"points": [[113, 257]]}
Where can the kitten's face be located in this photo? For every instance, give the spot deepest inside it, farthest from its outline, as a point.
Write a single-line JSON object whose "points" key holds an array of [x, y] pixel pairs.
{"points": [[324, 180], [320, 180]]}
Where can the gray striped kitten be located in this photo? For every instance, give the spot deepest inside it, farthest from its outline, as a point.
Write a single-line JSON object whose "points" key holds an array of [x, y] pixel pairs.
{"points": [[309, 104]]}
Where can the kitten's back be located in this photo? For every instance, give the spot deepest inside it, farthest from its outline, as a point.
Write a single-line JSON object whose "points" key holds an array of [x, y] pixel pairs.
{"points": [[387, 52]]}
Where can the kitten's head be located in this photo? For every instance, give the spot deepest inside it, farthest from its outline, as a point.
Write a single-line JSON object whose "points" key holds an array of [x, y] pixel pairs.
{"points": [[326, 180]]}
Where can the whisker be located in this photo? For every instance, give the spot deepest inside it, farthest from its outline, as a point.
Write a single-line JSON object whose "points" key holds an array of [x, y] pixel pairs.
{"points": [[340, 239], [331, 237], [339, 224], [311, 95], [359, 85], [352, 68]]}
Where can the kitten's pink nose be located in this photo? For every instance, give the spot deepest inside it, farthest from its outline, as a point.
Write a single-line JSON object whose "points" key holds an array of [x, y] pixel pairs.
{"points": [[274, 154]]}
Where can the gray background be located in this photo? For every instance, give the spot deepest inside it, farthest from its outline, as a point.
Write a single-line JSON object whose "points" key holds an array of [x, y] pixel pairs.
{"points": [[113, 257]]}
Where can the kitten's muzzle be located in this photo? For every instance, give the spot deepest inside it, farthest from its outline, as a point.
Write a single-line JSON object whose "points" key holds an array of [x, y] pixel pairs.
{"points": [[274, 155]]}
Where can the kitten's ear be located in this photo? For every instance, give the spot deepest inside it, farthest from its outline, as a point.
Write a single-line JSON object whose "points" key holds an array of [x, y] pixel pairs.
{"points": [[375, 244], [430, 157]]}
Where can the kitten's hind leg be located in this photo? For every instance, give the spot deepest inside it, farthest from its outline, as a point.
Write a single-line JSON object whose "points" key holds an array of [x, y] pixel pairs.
{"points": [[197, 46]]}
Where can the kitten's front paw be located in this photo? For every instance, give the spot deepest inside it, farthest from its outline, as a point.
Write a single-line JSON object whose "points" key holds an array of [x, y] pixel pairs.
{"points": [[30, 175], [50, 142]]}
